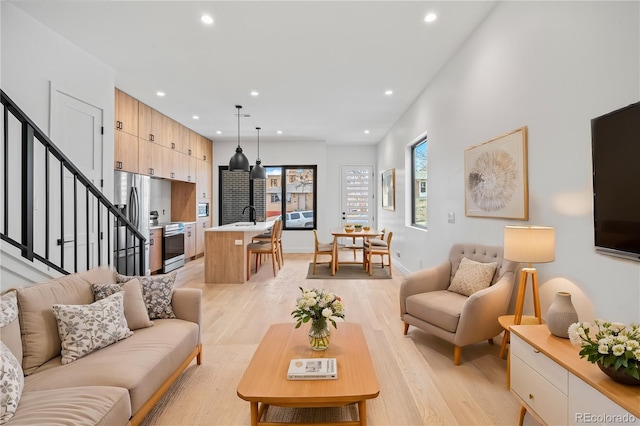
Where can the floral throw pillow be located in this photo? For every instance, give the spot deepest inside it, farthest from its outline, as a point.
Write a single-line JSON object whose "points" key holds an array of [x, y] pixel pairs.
{"points": [[87, 328], [8, 308], [135, 310], [472, 276], [157, 291], [11, 383]]}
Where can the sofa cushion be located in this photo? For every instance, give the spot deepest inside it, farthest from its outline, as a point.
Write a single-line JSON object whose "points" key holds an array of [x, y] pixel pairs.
{"points": [[441, 308], [78, 406], [87, 328], [157, 291], [11, 383], [472, 276], [135, 310], [40, 339], [141, 363]]}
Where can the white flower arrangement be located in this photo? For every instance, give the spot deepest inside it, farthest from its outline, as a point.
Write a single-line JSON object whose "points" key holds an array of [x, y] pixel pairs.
{"points": [[613, 345], [317, 304]]}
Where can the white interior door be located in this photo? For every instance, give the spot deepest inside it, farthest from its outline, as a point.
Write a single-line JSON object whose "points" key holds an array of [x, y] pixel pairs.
{"points": [[357, 195], [76, 128]]}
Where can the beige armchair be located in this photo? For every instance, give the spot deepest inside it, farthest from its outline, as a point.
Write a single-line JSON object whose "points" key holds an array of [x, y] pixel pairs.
{"points": [[426, 302]]}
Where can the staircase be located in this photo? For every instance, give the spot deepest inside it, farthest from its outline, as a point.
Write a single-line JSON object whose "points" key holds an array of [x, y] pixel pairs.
{"points": [[69, 225]]}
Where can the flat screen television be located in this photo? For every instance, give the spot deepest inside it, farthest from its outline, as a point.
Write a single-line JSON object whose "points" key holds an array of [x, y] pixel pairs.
{"points": [[615, 143]]}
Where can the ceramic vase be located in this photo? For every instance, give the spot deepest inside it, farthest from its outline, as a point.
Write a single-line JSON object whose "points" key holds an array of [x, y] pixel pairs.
{"points": [[319, 334], [561, 315]]}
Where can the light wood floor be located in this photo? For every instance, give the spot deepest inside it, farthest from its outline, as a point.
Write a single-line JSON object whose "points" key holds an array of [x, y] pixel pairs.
{"points": [[419, 384]]}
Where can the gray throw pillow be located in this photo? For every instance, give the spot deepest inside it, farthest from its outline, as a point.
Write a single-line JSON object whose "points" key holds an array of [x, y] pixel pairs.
{"points": [[135, 310], [157, 291]]}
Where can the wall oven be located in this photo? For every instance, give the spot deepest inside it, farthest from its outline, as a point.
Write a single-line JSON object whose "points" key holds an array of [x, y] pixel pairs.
{"points": [[173, 247]]}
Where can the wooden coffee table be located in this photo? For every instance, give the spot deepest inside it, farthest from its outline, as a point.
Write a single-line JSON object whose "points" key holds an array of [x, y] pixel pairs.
{"points": [[265, 381]]}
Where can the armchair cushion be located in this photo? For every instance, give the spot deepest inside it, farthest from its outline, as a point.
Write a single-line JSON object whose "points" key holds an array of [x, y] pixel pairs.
{"points": [[441, 308], [472, 276]]}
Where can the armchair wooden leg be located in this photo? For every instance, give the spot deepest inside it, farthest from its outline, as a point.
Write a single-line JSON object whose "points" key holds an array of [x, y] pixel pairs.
{"points": [[457, 354], [406, 328], [490, 341], [503, 346]]}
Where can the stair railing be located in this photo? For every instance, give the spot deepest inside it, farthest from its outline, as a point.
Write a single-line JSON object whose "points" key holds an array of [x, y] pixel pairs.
{"points": [[100, 213]]}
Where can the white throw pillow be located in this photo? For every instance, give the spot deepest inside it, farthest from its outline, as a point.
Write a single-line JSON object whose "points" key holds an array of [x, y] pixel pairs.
{"points": [[86, 328], [472, 276], [11, 383]]}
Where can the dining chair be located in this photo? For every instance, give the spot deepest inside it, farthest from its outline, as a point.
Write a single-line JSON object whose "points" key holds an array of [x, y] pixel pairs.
{"points": [[377, 247], [263, 247], [321, 249], [379, 240]]}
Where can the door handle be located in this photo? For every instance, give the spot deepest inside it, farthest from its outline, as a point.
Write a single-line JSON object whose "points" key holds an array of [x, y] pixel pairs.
{"points": [[60, 241]]}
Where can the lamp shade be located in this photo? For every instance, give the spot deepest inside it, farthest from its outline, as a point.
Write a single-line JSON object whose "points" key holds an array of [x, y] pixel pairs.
{"points": [[530, 244], [239, 161], [258, 172]]}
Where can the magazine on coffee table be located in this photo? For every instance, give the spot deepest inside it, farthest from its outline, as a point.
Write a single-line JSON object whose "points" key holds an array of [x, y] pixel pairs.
{"points": [[312, 369]]}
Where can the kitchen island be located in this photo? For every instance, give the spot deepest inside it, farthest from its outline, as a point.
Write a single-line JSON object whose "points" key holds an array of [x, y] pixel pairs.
{"points": [[225, 251]]}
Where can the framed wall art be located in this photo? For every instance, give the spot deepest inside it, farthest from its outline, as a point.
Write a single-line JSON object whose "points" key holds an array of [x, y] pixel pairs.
{"points": [[495, 177], [388, 189]]}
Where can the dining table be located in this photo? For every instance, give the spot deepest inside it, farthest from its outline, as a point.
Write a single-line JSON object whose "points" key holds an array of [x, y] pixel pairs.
{"points": [[348, 233]]}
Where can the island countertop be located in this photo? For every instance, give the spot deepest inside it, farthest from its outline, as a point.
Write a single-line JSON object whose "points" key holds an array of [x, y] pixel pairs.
{"points": [[225, 251], [242, 227]]}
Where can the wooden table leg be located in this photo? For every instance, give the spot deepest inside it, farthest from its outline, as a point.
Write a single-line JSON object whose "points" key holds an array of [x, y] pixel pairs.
{"points": [[523, 411], [362, 412], [334, 256], [254, 413]]}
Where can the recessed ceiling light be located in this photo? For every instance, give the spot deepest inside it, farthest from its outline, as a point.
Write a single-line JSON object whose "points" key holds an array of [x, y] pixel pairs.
{"points": [[195, 117], [254, 93], [206, 19], [161, 94], [366, 132], [218, 132], [430, 17], [388, 92], [279, 132]]}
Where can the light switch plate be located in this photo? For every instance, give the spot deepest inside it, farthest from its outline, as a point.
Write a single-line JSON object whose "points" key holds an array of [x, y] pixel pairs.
{"points": [[451, 217], [238, 242]]}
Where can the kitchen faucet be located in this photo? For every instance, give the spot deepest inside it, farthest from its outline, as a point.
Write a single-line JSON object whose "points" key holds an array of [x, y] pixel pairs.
{"points": [[251, 209]]}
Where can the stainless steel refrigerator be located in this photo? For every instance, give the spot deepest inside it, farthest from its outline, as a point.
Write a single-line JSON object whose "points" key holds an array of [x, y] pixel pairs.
{"points": [[131, 197]]}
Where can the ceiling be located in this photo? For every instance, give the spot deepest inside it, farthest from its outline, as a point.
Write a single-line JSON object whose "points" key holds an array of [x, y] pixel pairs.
{"points": [[321, 68]]}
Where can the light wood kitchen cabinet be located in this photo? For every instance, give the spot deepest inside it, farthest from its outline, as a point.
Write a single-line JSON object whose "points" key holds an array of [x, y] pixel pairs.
{"points": [[194, 140], [203, 181], [155, 249], [176, 141], [126, 113], [189, 240], [202, 224], [205, 151], [151, 124], [193, 169], [161, 161], [180, 170], [125, 153]]}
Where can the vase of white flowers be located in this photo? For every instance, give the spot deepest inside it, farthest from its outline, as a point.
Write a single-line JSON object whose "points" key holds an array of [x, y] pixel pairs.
{"points": [[321, 308], [614, 347]]}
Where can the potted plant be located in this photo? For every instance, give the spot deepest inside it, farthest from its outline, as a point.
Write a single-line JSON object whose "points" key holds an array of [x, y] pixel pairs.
{"points": [[614, 347], [358, 227]]}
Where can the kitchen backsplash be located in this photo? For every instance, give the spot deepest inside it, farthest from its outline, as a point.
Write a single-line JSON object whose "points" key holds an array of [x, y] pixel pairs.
{"points": [[161, 199]]}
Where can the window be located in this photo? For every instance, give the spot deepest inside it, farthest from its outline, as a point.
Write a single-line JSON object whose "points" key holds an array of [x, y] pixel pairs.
{"points": [[296, 199], [419, 187]]}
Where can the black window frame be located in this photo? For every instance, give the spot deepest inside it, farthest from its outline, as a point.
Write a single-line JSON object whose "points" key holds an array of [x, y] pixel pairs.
{"points": [[284, 199]]}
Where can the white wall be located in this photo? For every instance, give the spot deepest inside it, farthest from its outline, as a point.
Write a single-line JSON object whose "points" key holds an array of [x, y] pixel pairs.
{"points": [[34, 57], [327, 158], [550, 66]]}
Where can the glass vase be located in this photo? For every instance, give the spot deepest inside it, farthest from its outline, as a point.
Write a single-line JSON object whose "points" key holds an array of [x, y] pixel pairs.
{"points": [[319, 335]]}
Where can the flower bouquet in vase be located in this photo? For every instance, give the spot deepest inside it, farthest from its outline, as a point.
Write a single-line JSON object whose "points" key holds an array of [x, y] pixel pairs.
{"points": [[614, 347], [321, 308]]}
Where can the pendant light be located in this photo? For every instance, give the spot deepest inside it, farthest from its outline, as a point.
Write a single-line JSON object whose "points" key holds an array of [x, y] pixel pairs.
{"points": [[258, 172], [239, 161]]}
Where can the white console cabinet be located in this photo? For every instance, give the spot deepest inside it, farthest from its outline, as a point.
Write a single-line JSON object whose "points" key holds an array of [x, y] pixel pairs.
{"points": [[558, 388]]}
